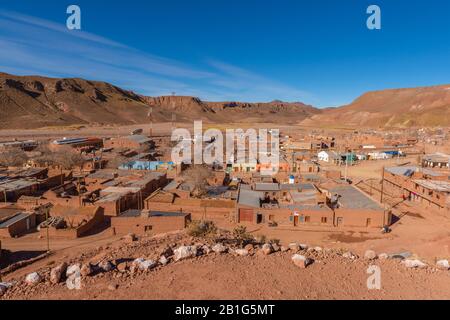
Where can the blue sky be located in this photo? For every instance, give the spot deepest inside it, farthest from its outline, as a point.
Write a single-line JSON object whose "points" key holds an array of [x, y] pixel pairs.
{"points": [[319, 52]]}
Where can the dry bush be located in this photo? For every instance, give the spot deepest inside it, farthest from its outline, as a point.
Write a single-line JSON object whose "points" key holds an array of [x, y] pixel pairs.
{"points": [[241, 235], [202, 229], [198, 176], [13, 158], [63, 156]]}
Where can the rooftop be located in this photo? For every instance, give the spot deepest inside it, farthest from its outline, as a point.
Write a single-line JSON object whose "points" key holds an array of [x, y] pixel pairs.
{"points": [[436, 185], [352, 198]]}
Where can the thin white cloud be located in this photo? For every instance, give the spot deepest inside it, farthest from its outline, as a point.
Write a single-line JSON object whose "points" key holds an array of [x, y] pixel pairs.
{"points": [[31, 45]]}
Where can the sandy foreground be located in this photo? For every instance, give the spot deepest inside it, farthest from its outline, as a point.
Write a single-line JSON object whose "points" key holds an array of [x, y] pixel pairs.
{"points": [[228, 276]]}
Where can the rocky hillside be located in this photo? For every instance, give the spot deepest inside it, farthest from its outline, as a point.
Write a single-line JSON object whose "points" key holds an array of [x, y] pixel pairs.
{"points": [[413, 107], [33, 101]]}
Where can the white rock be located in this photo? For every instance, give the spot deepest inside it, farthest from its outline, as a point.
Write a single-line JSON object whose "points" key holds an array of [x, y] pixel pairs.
{"points": [[267, 249], [106, 266], [443, 264], [301, 261], [219, 248], [383, 256], [163, 260], [275, 247], [241, 252], [370, 255], [185, 252], [73, 269], [294, 246], [318, 249], [33, 279], [414, 263], [349, 255], [144, 265]]}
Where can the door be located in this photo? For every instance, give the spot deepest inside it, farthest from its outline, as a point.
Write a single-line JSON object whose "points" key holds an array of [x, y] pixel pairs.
{"points": [[295, 221], [368, 222], [245, 215], [340, 221]]}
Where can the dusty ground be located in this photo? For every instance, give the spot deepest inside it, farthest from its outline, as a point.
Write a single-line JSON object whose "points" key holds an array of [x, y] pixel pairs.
{"points": [[231, 277]]}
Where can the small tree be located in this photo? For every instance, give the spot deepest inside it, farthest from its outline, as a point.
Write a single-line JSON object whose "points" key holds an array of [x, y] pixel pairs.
{"points": [[241, 235], [198, 176], [203, 229], [63, 156], [13, 158]]}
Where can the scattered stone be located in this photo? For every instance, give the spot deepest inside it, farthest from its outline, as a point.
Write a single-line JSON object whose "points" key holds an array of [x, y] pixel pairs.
{"points": [[294, 246], [400, 256], [3, 290], [275, 247], [370, 255], [219, 248], [249, 247], [56, 274], [86, 270], [414, 263], [163, 261], [316, 249], [185, 252], [129, 238], [284, 249], [443, 264], [301, 261], [73, 269], [349, 255], [383, 256], [303, 246], [167, 252], [267, 249], [106, 266], [206, 249], [122, 267], [33, 279], [144, 265], [241, 252]]}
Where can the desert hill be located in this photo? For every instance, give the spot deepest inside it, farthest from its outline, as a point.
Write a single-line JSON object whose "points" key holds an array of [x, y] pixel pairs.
{"points": [[413, 107], [34, 101]]}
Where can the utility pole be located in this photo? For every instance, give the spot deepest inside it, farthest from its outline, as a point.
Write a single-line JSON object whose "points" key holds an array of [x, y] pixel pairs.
{"points": [[382, 186], [150, 112]]}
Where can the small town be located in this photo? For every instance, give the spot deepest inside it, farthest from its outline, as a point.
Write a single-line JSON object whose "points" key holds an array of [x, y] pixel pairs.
{"points": [[223, 159], [330, 188]]}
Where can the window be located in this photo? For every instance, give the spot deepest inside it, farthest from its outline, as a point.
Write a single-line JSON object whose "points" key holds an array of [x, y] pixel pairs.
{"points": [[148, 228], [324, 219]]}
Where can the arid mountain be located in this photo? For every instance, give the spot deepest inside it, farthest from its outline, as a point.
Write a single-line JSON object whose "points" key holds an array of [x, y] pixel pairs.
{"points": [[33, 101], [414, 107]]}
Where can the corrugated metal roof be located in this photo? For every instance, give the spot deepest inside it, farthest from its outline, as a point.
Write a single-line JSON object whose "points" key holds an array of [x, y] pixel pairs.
{"points": [[14, 219], [354, 199]]}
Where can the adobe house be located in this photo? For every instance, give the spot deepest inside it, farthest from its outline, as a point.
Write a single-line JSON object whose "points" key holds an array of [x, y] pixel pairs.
{"points": [[18, 224], [284, 204], [72, 223], [420, 185], [142, 222], [353, 208], [211, 207]]}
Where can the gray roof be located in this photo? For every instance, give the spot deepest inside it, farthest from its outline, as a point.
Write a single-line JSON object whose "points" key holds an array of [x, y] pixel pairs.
{"points": [[408, 171], [352, 198], [14, 219], [261, 186], [250, 198]]}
